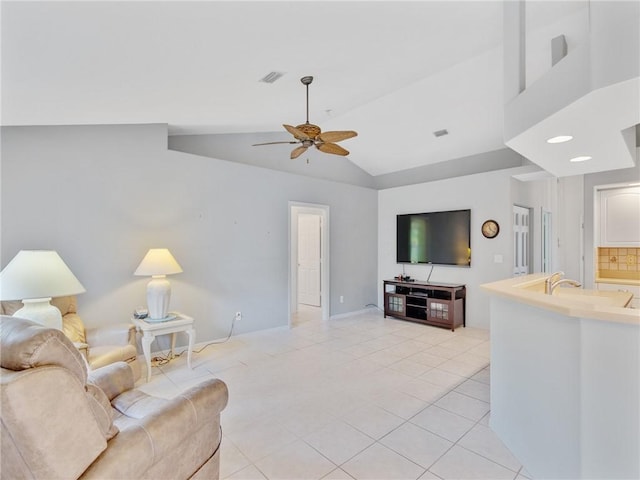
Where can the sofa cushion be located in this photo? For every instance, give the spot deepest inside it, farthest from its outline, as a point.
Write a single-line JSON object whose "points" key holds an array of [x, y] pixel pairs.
{"points": [[102, 411], [107, 354], [9, 307], [26, 344], [68, 304]]}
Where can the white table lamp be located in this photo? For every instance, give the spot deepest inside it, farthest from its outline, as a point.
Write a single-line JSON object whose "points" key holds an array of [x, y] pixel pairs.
{"points": [[36, 276], [158, 263]]}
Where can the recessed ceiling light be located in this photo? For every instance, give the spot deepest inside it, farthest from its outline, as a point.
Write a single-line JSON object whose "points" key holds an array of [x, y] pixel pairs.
{"points": [[582, 158], [560, 139]]}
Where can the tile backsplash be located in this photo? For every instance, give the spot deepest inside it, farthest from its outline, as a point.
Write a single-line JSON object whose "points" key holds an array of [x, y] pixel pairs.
{"points": [[621, 259]]}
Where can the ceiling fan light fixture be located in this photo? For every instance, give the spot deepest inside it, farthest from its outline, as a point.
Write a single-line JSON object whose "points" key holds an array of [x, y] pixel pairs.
{"points": [[271, 77], [309, 135], [309, 129]]}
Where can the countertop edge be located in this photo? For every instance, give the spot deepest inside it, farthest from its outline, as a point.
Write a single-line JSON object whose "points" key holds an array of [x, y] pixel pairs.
{"points": [[515, 289], [617, 281]]}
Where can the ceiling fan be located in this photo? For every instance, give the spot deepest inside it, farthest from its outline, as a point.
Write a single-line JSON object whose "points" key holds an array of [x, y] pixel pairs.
{"points": [[308, 134]]}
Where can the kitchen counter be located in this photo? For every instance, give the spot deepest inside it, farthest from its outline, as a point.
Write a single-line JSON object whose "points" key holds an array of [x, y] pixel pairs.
{"points": [[565, 378], [570, 301]]}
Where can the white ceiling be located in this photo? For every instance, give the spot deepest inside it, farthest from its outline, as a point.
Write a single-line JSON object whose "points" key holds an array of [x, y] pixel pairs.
{"points": [[393, 71]]}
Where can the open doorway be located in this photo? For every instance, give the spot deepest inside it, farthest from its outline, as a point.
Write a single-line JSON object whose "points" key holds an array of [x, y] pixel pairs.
{"points": [[308, 262]]}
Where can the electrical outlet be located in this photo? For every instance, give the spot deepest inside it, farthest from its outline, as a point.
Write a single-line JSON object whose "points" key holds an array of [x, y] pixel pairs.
{"points": [[238, 316], [632, 259], [341, 299]]}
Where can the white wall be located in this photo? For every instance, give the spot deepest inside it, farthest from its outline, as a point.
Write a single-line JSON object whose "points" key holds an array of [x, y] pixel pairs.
{"points": [[570, 230], [102, 195], [538, 195], [488, 195], [563, 197]]}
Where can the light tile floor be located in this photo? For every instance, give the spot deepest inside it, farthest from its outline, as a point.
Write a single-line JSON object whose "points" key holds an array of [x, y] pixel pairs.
{"points": [[361, 397]]}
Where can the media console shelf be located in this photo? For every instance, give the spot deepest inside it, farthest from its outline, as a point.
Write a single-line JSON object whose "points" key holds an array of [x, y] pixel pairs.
{"points": [[438, 304]]}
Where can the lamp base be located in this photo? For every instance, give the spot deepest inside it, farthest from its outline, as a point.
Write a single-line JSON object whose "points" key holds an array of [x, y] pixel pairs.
{"points": [[158, 296], [39, 310]]}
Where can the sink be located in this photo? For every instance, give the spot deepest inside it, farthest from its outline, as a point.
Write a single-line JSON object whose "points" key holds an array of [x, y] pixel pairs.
{"points": [[577, 296], [589, 297]]}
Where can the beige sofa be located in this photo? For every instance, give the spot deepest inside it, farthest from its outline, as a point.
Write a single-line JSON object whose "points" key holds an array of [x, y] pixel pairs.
{"points": [[100, 346], [59, 422]]}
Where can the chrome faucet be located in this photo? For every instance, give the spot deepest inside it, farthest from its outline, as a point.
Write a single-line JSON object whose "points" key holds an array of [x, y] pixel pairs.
{"points": [[548, 283], [567, 281]]}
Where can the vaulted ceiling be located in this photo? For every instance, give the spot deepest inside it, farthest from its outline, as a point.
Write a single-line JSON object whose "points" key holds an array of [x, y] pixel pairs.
{"points": [[395, 72]]}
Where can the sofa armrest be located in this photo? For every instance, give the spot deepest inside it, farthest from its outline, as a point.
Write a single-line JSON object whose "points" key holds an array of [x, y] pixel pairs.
{"points": [[115, 334], [83, 347], [113, 379], [207, 399]]}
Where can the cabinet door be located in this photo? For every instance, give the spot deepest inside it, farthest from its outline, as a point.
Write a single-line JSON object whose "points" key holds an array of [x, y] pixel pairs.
{"points": [[440, 311], [394, 304], [620, 217]]}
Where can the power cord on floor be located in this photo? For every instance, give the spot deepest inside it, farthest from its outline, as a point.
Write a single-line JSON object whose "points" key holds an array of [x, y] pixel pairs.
{"points": [[373, 305], [162, 360]]}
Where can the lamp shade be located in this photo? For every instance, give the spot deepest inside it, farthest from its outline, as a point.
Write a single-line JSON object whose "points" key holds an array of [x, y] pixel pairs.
{"points": [[158, 261], [37, 274]]}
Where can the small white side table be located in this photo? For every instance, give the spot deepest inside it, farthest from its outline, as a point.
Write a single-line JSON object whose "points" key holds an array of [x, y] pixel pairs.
{"points": [[150, 330]]}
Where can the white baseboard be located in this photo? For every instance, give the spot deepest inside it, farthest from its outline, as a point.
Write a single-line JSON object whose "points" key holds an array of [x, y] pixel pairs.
{"points": [[351, 314]]}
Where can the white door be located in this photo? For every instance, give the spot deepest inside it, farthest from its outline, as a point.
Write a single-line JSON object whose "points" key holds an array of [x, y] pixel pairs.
{"points": [[520, 241], [309, 235]]}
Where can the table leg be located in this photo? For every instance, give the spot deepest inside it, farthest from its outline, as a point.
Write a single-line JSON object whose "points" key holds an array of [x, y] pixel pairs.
{"points": [[147, 338], [173, 345], [192, 334]]}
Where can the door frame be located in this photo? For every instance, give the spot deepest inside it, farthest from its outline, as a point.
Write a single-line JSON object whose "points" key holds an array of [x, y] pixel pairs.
{"points": [[323, 211]]}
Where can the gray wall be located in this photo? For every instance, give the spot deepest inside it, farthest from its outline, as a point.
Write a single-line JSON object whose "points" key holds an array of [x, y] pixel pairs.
{"points": [[459, 167], [102, 195], [238, 147]]}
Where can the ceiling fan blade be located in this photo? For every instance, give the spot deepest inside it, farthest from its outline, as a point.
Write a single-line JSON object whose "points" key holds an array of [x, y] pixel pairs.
{"points": [[297, 152], [272, 143], [337, 136], [299, 134], [332, 148]]}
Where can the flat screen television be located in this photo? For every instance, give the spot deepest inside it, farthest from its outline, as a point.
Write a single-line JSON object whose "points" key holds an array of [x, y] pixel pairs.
{"points": [[438, 238]]}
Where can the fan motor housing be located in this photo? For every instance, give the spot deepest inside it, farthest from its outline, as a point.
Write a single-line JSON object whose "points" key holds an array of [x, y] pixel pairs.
{"points": [[309, 129]]}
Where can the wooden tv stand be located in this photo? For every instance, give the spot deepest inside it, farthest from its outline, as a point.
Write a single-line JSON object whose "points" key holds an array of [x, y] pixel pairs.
{"points": [[437, 304]]}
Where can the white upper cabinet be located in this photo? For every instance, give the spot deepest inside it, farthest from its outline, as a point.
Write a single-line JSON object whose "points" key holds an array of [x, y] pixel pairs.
{"points": [[620, 217]]}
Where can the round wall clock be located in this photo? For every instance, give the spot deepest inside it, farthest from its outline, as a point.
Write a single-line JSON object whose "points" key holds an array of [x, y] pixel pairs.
{"points": [[490, 229]]}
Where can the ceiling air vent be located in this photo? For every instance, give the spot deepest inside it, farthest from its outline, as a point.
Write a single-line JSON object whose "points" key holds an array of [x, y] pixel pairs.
{"points": [[441, 133], [271, 77]]}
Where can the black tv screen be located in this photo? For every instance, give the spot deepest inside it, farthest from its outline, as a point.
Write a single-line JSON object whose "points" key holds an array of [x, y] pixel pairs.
{"points": [[439, 238]]}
